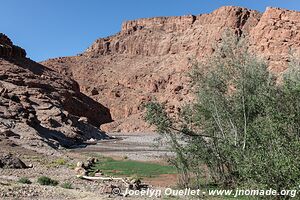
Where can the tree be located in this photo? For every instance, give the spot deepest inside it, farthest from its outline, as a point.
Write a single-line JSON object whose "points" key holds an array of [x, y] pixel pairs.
{"points": [[244, 125]]}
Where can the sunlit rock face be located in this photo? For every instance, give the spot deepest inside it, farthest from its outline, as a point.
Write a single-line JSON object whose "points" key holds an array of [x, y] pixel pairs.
{"points": [[149, 58]]}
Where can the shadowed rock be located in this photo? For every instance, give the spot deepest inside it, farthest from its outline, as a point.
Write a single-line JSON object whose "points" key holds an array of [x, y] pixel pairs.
{"points": [[37, 103], [9, 161]]}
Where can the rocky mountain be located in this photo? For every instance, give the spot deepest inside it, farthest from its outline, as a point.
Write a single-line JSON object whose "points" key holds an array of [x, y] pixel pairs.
{"points": [[149, 58], [39, 105]]}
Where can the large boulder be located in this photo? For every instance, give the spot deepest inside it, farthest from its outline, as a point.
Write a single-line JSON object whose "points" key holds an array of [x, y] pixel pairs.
{"points": [[8, 161]]}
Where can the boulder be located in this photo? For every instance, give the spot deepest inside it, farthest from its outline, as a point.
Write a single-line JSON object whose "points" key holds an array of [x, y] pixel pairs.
{"points": [[9, 161]]}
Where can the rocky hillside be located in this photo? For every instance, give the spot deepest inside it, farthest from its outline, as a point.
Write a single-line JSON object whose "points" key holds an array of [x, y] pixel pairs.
{"points": [[149, 58], [38, 105]]}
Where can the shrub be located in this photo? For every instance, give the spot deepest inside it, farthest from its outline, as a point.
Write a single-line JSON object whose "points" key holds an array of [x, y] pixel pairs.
{"points": [[60, 161], [44, 180], [244, 125], [67, 185], [24, 180]]}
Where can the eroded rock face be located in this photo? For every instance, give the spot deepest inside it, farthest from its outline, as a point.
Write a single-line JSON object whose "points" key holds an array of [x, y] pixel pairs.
{"points": [[38, 105], [171, 35], [276, 36], [149, 59], [8, 50]]}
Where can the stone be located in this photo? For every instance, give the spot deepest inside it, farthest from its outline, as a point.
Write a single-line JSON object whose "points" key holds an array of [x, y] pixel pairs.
{"points": [[9, 161], [30, 166], [90, 162], [83, 119], [94, 91], [80, 170]]}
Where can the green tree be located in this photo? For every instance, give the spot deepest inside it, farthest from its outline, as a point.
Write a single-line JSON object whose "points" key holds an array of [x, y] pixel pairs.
{"points": [[244, 125]]}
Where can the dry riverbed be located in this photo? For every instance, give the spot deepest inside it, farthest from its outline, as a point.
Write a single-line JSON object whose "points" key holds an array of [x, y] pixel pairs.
{"points": [[137, 146]]}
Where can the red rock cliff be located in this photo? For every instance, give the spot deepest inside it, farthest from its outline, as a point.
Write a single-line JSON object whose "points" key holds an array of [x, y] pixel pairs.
{"points": [[163, 35], [149, 58]]}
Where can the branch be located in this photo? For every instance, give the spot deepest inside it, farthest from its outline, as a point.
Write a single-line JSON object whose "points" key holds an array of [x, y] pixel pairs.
{"points": [[217, 120], [192, 134]]}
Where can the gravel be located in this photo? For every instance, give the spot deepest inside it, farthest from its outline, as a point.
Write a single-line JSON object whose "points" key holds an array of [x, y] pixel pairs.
{"points": [[137, 146]]}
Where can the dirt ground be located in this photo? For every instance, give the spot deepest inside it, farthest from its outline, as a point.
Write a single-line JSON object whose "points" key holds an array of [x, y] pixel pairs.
{"points": [[60, 166]]}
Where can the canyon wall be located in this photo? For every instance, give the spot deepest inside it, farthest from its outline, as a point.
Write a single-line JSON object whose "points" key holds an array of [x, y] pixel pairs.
{"points": [[40, 107], [149, 58]]}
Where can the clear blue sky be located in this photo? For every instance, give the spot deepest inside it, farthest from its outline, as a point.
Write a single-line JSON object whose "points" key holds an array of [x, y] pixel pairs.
{"points": [[53, 28]]}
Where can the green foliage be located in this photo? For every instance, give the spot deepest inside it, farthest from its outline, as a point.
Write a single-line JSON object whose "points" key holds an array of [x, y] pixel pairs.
{"points": [[67, 185], [57, 163], [24, 180], [132, 168], [244, 125], [60, 161], [155, 114], [44, 180]]}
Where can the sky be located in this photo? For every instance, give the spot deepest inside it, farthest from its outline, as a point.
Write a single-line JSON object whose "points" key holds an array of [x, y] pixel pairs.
{"points": [[54, 28]]}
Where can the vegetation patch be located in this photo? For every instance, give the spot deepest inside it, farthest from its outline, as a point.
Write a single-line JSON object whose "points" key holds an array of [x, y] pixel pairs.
{"points": [[24, 180], [44, 180], [67, 185], [126, 167], [60, 161]]}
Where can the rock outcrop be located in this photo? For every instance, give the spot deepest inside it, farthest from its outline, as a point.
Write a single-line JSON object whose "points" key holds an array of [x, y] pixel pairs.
{"points": [[8, 50], [171, 35], [39, 105], [276, 36], [149, 58]]}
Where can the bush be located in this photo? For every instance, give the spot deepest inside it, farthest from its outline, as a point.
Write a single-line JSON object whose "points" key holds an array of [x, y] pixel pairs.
{"points": [[60, 161], [244, 125], [24, 180], [43, 180], [67, 185]]}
